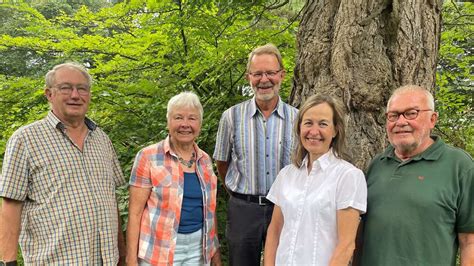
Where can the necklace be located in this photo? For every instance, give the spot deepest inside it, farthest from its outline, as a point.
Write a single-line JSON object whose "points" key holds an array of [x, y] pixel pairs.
{"points": [[189, 163]]}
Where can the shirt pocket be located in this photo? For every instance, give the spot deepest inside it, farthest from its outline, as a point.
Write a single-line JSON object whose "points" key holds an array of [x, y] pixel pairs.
{"points": [[101, 172], [46, 178], [242, 147], [165, 185], [160, 176]]}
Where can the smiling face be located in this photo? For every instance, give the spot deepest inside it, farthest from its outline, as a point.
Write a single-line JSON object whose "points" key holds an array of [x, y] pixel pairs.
{"points": [[265, 88], [70, 107], [410, 137], [184, 125], [317, 130]]}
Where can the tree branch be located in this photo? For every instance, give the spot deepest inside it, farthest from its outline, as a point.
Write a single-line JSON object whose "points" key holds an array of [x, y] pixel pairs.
{"points": [[183, 35], [274, 5], [292, 20]]}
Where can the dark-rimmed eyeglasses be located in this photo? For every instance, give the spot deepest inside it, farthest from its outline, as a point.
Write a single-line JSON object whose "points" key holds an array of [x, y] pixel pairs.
{"points": [[66, 89], [408, 114], [269, 74]]}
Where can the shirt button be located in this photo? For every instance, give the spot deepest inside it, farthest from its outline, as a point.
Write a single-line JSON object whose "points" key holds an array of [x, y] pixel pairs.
{"points": [[268, 173], [267, 155]]}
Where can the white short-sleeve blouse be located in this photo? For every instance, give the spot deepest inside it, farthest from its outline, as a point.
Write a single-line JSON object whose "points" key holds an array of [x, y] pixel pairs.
{"points": [[309, 204]]}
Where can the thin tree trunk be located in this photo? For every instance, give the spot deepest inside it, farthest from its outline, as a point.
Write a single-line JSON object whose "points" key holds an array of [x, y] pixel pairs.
{"points": [[360, 51]]}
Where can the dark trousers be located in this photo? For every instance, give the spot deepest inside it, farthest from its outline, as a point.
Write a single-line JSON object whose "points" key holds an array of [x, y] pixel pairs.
{"points": [[247, 225]]}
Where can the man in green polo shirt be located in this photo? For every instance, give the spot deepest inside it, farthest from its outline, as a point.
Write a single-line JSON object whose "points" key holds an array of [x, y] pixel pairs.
{"points": [[420, 205]]}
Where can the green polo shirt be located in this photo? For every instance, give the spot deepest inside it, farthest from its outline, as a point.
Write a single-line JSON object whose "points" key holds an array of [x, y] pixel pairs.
{"points": [[415, 208]]}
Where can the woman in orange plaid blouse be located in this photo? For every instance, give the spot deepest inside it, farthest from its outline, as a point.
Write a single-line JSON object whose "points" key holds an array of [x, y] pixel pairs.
{"points": [[172, 208]]}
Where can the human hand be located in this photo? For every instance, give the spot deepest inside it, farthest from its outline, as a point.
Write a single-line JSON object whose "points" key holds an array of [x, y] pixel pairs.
{"points": [[216, 259]]}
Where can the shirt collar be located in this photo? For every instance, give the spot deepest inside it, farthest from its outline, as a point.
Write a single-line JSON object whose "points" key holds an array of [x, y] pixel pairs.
{"points": [[432, 153], [323, 162], [167, 149], [54, 121], [253, 109]]}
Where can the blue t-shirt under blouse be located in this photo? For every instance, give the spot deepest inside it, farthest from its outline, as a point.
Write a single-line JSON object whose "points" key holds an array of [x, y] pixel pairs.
{"points": [[191, 209]]}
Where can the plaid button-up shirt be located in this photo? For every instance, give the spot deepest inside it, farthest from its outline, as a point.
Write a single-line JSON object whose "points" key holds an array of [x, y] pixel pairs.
{"points": [[70, 211], [158, 168]]}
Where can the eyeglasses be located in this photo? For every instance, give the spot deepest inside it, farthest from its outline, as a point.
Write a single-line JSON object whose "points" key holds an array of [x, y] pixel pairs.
{"points": [[66, 89], [269, 74], [408, 114]]}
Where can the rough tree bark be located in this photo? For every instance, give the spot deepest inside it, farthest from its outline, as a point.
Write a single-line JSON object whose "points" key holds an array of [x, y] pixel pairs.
{"points": [[360, 51]]}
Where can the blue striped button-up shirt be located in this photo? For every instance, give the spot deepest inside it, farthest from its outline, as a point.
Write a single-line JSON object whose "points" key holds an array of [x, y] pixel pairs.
{"points": [[255, 147]]}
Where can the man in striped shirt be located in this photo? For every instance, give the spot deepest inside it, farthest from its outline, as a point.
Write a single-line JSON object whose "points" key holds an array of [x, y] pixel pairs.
{"points": [[254, 142], [58, 183]]}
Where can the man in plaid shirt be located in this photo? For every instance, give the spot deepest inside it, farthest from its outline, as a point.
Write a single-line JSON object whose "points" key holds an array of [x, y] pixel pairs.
{"points": [[58, 182]]}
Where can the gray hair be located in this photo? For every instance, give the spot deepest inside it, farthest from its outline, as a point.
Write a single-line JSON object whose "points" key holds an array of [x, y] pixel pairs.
{"points": [[185, 99], [51, 75], [265, 49], [414, 88]]}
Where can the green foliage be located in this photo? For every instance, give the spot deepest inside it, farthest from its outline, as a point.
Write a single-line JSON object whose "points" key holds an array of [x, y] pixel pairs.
{"points": [[140, 53], [21, 102], [455, 92]]}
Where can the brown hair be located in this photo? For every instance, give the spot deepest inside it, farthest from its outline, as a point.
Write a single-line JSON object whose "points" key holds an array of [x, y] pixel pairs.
{"points": [[338, 143]]}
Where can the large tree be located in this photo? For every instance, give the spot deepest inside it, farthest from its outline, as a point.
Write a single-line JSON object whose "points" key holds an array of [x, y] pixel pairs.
{"points": [[360, 51]]}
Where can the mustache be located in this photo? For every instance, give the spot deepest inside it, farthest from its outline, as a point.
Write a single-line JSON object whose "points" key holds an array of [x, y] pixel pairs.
{"points": [[265, 84], [404, 129]]}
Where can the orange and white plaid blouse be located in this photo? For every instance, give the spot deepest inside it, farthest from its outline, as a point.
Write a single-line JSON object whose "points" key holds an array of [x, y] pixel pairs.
{"points": [[158, 168]]}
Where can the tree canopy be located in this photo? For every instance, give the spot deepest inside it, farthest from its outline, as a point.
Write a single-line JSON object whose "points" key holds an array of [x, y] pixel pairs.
{"points": [[140, 54]]}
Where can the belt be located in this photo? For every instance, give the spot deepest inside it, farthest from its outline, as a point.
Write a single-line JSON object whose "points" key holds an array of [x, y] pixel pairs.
{"points": [[261, 200]]}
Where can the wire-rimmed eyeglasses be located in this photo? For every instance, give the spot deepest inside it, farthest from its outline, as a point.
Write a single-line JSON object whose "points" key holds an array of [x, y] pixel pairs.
{"points": [[269, 74], [66, 89]]}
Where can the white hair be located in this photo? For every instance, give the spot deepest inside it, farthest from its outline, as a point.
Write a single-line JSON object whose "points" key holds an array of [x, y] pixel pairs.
{"points": [[51, 75], [185, 99], [414, 88]]}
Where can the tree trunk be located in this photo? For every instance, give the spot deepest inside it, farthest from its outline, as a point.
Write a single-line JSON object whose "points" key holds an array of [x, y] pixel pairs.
{"points": [[359, 51]]}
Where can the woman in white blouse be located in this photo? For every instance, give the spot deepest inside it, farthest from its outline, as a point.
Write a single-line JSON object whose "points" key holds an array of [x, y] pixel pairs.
{"points": [[320, 196]]}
